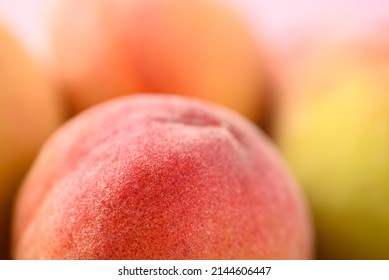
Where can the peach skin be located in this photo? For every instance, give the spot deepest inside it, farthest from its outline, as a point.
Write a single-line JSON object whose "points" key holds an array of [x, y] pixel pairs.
{"points": [[160, 177]]}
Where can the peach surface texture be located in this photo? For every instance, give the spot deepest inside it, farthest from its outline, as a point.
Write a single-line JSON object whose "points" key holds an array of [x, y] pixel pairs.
{"points": [[160, 177]]}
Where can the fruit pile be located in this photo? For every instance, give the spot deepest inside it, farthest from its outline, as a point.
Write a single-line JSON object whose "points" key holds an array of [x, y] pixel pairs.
{"points": [[168, 129]]}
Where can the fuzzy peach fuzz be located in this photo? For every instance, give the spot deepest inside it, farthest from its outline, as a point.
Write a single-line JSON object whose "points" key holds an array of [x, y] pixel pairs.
{"points": [[160, 177]]}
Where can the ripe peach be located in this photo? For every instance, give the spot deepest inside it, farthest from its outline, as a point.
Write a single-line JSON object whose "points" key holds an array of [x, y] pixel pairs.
{"points": [[160, 177], [104, 49], [29, 112]]}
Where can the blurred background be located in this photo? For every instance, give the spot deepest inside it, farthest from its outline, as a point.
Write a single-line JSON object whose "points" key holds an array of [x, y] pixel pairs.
{"points": [[314, 75]]}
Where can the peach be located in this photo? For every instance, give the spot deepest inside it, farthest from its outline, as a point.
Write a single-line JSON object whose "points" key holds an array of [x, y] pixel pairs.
{"points": [[104, 49], [29, 112], [160, 177], [334, 134]]}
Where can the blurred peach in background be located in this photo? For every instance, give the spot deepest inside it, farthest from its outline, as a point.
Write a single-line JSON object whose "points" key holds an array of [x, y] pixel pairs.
{"points": [[315, 72], [29, 112]]}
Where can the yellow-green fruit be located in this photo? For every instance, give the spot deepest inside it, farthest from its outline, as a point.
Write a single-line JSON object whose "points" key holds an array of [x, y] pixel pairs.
{"points": [[335, 136], [29, 112]]}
